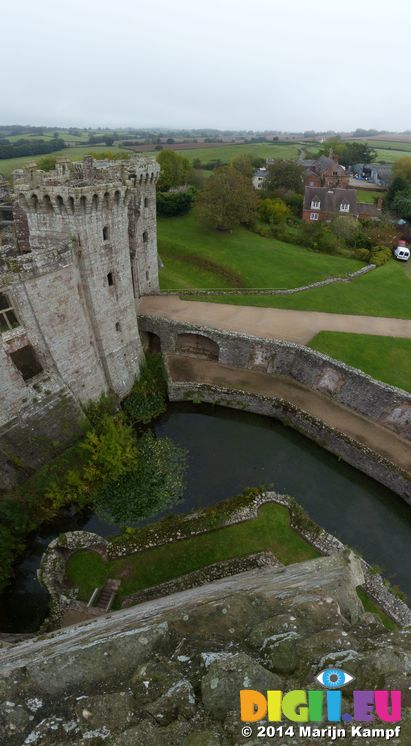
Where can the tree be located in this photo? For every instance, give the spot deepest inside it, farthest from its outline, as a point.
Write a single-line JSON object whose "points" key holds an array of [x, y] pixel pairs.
{"points": [[273, 211], [348, 153], [402, 169], [174, 170], [244, 164], [398, 198], [228, 199], [285, 175]]}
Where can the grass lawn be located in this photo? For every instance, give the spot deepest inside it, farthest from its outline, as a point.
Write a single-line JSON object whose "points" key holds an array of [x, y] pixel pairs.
{"points": [[74, 154], [271, 530], [370, 605], [226, 153], [384, 292], [368, 196], [197, 258], [386, 358]]}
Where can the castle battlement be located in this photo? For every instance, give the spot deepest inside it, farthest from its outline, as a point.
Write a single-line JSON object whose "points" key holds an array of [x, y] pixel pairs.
{"points": [[77, 251], [87, 172]]}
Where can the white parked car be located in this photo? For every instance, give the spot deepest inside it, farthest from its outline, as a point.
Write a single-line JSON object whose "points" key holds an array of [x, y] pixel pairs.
{"points": [[401, 252]]}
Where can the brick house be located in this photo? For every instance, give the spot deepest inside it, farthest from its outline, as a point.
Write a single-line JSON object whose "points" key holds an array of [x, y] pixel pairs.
{"points": [[323, 203], [325, 171]]}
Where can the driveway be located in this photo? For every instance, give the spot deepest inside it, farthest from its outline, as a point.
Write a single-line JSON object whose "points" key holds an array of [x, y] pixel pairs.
{"points": [[274, 323]]}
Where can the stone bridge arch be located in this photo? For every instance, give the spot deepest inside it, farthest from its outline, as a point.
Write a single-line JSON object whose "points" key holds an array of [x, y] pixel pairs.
{"points": [[197, 345]]}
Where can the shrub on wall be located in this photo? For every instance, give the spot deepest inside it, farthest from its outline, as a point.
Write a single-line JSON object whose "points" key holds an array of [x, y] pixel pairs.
{"points": [[148, 398]]}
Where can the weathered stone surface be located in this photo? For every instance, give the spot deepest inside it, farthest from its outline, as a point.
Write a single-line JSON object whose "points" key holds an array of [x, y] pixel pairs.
{"points": [[226, 676], [85, 685], [85, 248], [113, 711]]}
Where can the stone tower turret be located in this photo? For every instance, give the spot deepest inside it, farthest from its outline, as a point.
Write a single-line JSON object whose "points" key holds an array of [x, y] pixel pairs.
{"points": [[85, 251]]}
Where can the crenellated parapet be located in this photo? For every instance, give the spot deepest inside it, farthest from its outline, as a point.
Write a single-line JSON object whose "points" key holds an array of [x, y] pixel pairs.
{"points": [[136, 171]]}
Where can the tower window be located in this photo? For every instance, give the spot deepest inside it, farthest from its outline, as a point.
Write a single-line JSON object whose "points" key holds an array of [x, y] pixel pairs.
{"points": [[147, 276], [26, 362], [110, 279], [145, 201], [106, 233], [145, 237], [118, 326], [8, 318]]}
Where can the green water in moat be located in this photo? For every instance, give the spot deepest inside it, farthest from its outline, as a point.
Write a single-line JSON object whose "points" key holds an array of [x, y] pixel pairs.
{"points": [[229, 451]]}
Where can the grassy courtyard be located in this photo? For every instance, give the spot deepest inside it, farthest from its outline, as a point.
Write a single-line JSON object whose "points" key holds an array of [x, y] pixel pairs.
{"points": [[198, 258], [386, 358], [271, 530]]}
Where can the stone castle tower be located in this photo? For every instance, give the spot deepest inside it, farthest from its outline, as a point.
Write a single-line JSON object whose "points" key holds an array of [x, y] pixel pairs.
{"points": [[78, 249]]}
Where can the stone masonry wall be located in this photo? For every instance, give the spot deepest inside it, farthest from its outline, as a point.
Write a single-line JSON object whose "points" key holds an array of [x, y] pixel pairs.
{"points": [[89, 251], [387, 405]]}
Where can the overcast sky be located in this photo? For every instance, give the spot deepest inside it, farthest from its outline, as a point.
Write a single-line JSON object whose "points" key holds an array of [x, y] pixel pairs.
{"points": [[260, 64]]}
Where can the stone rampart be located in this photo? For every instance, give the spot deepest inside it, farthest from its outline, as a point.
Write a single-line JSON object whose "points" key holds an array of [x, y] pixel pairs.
{"points": [[378, 401]]}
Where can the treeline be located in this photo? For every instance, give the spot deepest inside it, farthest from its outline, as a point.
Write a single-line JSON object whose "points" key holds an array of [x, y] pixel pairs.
{"points": [[29, 147]]}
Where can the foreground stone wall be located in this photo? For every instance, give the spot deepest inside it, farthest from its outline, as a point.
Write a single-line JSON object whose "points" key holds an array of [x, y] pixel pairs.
{"points": [[168, 672], [387, 405]]}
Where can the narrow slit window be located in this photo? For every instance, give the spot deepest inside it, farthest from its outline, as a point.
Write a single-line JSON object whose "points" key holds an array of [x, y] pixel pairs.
{"points": [[110, 279], [145, 201], [145, 237], [106, 233], [8, 318], [26, 362], [118, 326]]}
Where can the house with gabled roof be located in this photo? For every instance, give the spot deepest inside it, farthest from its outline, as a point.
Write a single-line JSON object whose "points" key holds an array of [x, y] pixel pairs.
{"points": [[323, 204]]}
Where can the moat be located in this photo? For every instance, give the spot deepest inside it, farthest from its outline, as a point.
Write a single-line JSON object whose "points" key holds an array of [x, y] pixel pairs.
{"points": [[229, 451]]}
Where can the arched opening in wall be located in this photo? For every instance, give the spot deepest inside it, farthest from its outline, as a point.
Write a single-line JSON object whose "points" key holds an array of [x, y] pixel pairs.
{"points": [[145, 237], [110, 279], [47, 203], [153, 342], [106, 233], [60, 203], [94, 202], [117, 198], [118, 326], [145, 201], [198, 345], [83, 204], [71, 204], [106, 200], [34, 201]]}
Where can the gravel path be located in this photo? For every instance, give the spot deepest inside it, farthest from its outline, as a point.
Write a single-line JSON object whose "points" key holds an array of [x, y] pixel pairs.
{"points": [[274, 323]]}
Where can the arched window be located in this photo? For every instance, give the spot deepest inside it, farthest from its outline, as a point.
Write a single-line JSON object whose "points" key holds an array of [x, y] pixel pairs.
{"points": [[145, 237], [106, 233], [145, 201], [110, 279]]}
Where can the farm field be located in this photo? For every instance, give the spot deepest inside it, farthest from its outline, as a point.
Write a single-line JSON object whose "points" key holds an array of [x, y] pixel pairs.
{"points": [[386, 358], [8, 165], [384, 292], [226, 153], [198, 258]]}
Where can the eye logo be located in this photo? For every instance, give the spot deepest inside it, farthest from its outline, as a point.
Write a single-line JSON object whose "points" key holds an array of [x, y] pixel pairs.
{"points": [[334, 678]]}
